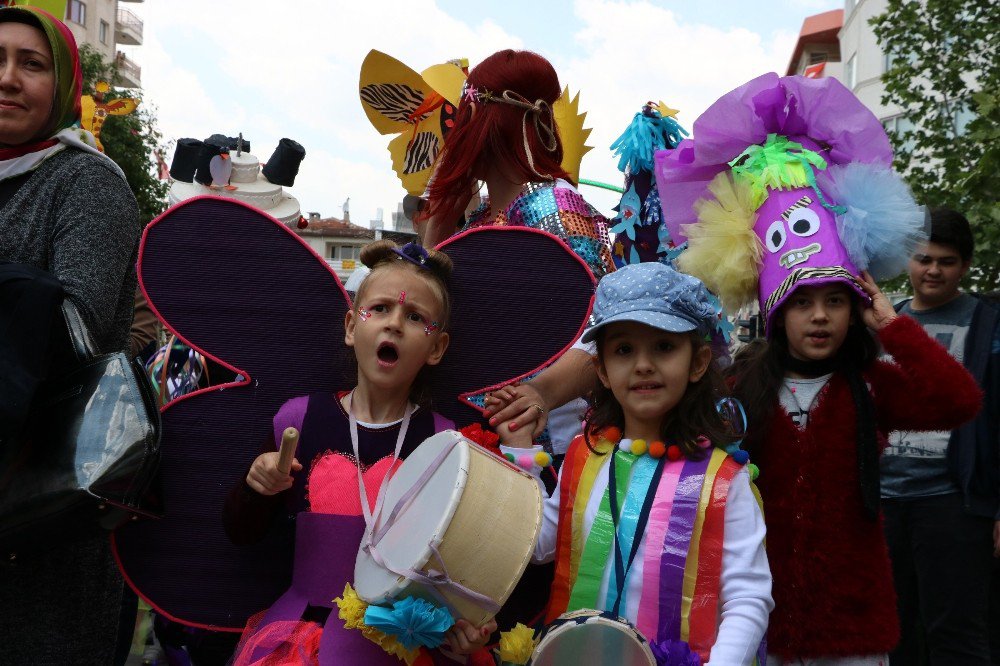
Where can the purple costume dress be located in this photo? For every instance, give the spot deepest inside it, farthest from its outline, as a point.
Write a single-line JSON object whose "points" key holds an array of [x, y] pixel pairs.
{"points": [[300, 626]]}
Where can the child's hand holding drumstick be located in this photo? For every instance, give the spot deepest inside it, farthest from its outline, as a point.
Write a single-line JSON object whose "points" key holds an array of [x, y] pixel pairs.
{"points": [[271, 473]]}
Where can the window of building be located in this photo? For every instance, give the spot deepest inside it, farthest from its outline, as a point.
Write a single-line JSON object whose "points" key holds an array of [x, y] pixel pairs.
{"points": [[901, 125], [817, 57], [343, 252], [886, 62], [103, 32], [851, 72], [77, 12]]}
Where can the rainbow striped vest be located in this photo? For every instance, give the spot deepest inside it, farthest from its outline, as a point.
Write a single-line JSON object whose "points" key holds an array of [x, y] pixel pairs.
{"points": [[688, 510]]}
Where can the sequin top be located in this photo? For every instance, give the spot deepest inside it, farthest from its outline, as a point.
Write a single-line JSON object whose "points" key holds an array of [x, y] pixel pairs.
{"points": [[558, 208]]}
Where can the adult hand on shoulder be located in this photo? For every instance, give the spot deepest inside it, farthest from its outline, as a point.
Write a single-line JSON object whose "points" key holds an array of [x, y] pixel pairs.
{"points": [[519, 407], [881, 313], [265, 478], [464, 638]]}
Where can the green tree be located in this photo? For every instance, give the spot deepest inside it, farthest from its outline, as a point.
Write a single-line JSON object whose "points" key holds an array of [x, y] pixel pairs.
{"points": [[132, 141], [945, 75]]}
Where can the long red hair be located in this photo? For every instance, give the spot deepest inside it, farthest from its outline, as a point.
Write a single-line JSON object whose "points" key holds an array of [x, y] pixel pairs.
{"points": [[492, 136]]}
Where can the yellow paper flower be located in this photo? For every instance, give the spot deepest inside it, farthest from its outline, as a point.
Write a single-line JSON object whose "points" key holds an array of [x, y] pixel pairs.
{"points": [[352, 612], [517, 644], [352, 608]]}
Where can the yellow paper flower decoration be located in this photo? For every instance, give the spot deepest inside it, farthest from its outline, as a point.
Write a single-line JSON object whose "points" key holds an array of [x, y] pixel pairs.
{"points": [[352, 608], [517, 644], [352, 612]]}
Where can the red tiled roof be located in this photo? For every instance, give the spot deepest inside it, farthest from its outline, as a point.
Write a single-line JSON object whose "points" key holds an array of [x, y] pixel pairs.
{"points": [[331, 226], [816, 29]]}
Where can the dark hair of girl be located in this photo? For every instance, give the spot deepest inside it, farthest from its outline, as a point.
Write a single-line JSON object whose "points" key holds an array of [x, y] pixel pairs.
{"points": [[758, 371], [694, 417], [380, 256]]}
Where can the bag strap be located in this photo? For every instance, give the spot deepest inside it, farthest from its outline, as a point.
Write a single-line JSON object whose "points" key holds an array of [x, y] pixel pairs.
{"points": [[79, 337]]}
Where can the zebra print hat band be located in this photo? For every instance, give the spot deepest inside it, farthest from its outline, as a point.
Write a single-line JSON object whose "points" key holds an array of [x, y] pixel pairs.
{"points": [[544, 128]]}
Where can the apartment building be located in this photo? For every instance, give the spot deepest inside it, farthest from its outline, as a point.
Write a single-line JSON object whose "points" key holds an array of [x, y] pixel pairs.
{"points": [[103, 24]]}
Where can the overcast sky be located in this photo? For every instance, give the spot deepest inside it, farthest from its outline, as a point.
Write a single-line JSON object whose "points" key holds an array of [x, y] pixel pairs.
{"points": [[290, 69]]}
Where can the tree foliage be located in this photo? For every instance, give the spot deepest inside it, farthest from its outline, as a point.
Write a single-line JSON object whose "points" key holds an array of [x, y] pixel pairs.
{"points": [[131, 141], [945, 75]]}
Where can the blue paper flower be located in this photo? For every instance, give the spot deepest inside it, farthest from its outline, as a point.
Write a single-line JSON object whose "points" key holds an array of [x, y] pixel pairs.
{"points": [[413, 621], [674, 653]]}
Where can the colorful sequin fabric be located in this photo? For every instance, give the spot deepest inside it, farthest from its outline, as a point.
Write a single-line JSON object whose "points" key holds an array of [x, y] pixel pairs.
{"points": [[556, 207]]}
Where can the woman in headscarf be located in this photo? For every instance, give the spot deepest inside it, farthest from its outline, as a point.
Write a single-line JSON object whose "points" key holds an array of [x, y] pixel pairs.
{"points": [[69, 228]]}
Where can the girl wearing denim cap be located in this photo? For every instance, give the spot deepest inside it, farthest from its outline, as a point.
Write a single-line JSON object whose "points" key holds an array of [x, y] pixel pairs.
{"points": [[651, 469]]}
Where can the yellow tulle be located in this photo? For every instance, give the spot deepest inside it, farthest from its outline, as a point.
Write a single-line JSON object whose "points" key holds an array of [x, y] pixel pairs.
{"points": [[517, 645], [352, 612], [723, 250]]}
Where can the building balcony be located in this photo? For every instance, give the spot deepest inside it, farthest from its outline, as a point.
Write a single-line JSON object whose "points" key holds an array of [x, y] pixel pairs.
{"points": [[129, 73], [128, 28]]}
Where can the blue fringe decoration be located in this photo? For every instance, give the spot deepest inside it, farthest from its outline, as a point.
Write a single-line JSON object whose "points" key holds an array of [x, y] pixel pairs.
{"points": [[648, 132], [881, 225]]}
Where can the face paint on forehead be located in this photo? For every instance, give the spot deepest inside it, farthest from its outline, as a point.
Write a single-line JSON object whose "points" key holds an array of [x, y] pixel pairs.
{"points": [[364, 315], [431, 328], [402, 297]]}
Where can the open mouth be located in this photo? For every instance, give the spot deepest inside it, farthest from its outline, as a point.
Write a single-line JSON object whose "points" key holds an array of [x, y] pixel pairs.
{"points": [[387, 354], [819, 336], [797, 256], [646, 386]]}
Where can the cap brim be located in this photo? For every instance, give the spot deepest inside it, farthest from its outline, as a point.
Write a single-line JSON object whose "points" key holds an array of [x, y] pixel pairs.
{"points": [[660, 320]]}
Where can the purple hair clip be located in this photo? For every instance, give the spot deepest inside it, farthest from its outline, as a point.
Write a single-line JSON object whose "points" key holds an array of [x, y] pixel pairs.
{"points": [[413, 253]]}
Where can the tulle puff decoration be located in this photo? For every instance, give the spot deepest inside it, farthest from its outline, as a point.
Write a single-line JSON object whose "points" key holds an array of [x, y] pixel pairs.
{"points": [[649, 131], [723, 250], [881, 225]]}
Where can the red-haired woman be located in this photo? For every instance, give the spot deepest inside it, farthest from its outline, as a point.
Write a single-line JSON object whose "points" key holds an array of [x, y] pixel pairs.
{"points": [[505, 135]]}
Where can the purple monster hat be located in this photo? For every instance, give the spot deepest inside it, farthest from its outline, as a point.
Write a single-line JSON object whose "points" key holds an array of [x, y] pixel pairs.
{"points": [[787, 182]]}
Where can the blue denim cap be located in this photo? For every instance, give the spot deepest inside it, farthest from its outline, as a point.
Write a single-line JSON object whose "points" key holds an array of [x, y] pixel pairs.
{"points": [[654, 294]]}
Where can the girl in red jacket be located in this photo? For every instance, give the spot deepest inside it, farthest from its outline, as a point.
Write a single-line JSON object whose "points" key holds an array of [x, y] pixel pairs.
{"points": [[789, 196]]}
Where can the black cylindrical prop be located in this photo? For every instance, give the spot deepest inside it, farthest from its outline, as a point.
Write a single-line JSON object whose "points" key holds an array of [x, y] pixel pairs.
{"points": [[283, 166], [204, 175], [185, 162]]}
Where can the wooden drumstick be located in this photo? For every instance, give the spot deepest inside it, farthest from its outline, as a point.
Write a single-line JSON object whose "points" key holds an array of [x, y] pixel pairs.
{"points": [[289, 442]]}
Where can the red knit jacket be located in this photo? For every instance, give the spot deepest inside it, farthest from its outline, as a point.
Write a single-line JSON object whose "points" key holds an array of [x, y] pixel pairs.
{"points": [[833, 590]]}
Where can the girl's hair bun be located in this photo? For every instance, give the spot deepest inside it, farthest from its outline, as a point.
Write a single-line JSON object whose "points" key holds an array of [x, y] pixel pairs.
{"points": [[385, 251]]}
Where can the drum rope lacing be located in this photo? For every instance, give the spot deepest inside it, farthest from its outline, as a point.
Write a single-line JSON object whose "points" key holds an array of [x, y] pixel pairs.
{"points": [[432, 577]]}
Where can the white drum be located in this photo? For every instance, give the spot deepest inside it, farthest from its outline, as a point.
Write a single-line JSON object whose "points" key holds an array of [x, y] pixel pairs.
{"points": [[457, 527], [594, 638]]}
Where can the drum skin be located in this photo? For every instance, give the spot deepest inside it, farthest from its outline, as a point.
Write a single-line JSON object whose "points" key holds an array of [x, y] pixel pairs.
{"points": [[594, 638]]}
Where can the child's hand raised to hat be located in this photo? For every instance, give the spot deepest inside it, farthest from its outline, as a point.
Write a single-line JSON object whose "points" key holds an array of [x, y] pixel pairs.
{"points": [[881, 313], [464, 638]]}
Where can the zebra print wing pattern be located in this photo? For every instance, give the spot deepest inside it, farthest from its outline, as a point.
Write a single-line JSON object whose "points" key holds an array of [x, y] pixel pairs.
{"points": [[413, 154], [395, 101], [398, 100]]}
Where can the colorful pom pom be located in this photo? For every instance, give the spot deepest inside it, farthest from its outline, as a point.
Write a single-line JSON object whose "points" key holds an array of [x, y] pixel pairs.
{"points": [[674, 452], [657, 449], [741, 456], [754, 471], [510, 457], [543, 459], [612, 434], [526, 462], [625, 445], [880, 224], [638, 447]]}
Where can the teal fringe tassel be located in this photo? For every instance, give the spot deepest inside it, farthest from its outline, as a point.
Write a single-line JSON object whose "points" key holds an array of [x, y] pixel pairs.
{"points": [[647, 133]]}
